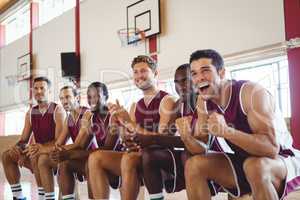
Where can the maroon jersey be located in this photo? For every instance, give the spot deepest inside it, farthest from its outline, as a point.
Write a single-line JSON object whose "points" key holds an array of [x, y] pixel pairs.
{"points": [[43, 124], [233, 114], [100, 127], [148, 116], [74, 124]]}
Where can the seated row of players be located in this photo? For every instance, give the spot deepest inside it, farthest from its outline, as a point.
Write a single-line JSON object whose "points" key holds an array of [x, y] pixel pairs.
{"points": [[232, 137]]}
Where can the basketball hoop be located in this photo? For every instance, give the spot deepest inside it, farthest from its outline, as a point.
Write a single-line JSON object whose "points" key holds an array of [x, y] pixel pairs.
{"points": [[131, 36]]}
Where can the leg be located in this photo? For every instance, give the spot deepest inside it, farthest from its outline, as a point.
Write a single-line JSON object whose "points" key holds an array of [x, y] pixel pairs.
{"points": [[99, 163], [46, 167], [37, 175], [12, 173], [11, 168], [265, 176], [201, 168], [130, 166], [66, 177], [155, 160]]}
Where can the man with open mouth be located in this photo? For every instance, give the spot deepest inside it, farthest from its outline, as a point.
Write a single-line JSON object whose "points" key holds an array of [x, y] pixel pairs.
{"points": [[254, 152]]}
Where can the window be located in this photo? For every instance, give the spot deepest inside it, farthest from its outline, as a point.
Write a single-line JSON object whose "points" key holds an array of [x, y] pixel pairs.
{"points": [[14, 121], [17, 25], [272, 74], [126, 96], [49, 9]]}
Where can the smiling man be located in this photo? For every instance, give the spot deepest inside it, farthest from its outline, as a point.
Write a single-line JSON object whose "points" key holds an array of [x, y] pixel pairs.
{"points": [[45, 121], [258, 156]]}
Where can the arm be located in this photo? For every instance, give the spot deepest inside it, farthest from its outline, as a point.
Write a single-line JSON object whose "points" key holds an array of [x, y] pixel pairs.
{"points": [[260, 110], [166, 112], [84, 135], [17, 149], [162, 140], [27, 130], [61, 153], [64, 135]]}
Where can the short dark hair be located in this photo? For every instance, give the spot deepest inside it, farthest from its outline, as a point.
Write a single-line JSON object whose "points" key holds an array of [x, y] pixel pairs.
{"points": [[185, 66], [100, 85], [42, 78], [74, 90], [217, 59], [146, 59]]}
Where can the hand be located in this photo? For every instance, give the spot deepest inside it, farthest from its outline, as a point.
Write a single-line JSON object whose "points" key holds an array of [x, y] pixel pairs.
{"points": [[58, 154], [201, 105], [21, 160], [183, 126], [130, 142], [112, 108], [120, 115], [32, 150], [217, 125]]}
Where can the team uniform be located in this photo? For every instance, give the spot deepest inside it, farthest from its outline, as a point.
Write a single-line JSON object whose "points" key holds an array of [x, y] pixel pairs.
{"points": [[148, 118], [99, 126], [236, 117], [43, 124]]}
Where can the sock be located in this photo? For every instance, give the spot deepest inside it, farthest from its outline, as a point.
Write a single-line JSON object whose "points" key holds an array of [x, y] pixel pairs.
{"points": [[157, 196], [69, 197], [50, 196], [17, 191], [41, 193]]}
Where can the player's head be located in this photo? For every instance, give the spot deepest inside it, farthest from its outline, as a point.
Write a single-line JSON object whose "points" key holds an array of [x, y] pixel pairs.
{"points": [[207, 71], [41, 89], [144, 72], [97, 94], [183, 81], [69, 97]]}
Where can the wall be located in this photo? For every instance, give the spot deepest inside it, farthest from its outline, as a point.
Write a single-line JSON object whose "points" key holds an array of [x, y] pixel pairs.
{"points": [[229, 26], [49, 41], [12, 95]]}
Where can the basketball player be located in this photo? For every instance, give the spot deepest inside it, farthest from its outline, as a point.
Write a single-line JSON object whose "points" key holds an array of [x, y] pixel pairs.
{"points": [[69, 98], [73, 157], [163, 167], [257, 155], [150, 116], [45, 121]]}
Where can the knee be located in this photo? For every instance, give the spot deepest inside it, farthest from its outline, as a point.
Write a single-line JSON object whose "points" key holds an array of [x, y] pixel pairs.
{"points": [[64, 167], [256, 170], [196, 166], [95, 160], [129, 162], [43, 161], [5, 157]]}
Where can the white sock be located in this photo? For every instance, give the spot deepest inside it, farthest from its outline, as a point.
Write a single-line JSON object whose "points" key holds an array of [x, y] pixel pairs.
{"points": [[157, 196], [50, 196], [69, 197], [17, 191], [41, 193]]}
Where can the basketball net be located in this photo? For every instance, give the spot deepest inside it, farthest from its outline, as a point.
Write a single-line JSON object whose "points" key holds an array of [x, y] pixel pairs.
{"points": [[131, 37]]}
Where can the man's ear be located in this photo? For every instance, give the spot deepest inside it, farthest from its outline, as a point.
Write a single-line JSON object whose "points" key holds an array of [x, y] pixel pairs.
{"points": [[221, 72]]}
